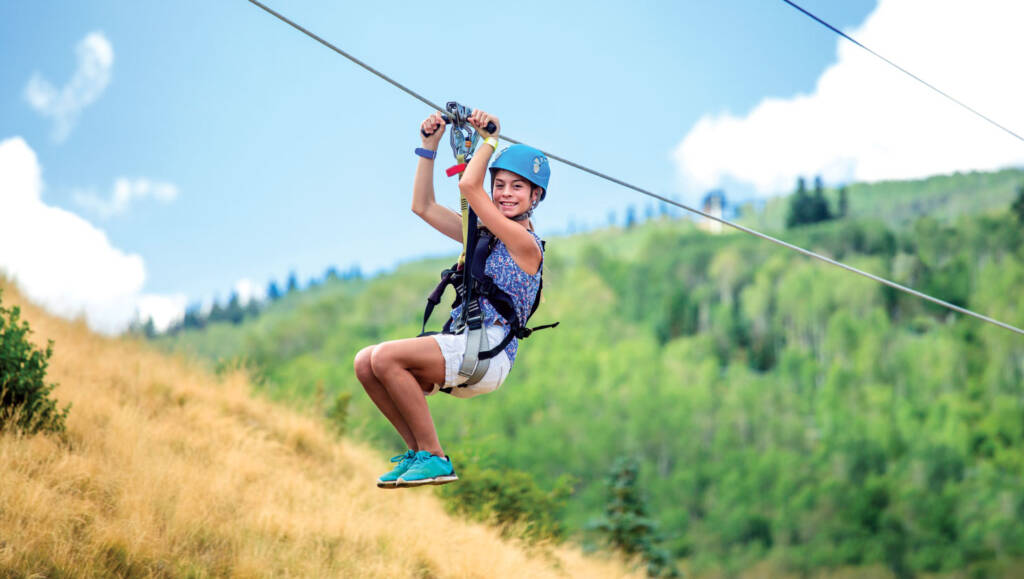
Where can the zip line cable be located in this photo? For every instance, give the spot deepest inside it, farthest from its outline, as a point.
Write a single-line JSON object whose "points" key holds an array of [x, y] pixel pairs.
{"points": [[742, 228], [901, 69]]}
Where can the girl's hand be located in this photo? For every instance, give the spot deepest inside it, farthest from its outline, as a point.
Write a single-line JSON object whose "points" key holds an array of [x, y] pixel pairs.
{"points": [[434, 126], [479, 119]]}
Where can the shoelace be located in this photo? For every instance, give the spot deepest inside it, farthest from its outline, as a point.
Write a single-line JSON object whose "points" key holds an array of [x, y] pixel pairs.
{"points": [[418, 460], [408, 454]]}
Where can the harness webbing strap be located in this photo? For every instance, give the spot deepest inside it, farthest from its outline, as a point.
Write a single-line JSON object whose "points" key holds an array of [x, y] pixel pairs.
{"points": [[471, 286], [474, 366], [435, 298]]}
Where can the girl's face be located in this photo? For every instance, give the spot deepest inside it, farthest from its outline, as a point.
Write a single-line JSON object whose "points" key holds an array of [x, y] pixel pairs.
{"points": [[512, 194]]}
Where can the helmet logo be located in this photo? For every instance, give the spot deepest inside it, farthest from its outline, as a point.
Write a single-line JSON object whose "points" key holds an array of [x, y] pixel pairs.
{"points": [[536, 164]]}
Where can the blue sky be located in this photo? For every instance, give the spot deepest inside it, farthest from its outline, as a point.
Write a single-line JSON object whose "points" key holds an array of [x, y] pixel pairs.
{"points": [[243, 150]]}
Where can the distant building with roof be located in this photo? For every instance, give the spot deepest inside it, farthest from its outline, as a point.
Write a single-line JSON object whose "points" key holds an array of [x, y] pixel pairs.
{"points": [[713, 204]]}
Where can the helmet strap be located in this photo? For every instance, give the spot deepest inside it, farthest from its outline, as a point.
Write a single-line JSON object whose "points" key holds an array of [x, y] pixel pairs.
{"points": [[529, 212]]}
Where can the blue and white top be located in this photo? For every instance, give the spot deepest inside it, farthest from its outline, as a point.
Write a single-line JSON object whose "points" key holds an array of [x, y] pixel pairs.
{"points": [[511, 279]]}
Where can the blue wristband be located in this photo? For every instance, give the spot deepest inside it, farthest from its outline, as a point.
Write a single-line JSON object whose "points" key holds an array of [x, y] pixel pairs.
{"points": [[425, 153]]}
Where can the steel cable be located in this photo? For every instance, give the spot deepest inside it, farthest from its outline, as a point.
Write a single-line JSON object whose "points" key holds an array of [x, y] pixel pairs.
{"points": [[901, 69], [737, 226]]}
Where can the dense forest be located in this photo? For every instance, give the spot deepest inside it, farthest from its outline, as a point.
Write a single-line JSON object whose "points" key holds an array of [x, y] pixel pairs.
{"points": [[779, 409]]}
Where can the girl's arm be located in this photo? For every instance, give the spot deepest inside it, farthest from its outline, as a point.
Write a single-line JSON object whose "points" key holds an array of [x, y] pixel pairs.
{"points": [[439, 217], [521, 245]]}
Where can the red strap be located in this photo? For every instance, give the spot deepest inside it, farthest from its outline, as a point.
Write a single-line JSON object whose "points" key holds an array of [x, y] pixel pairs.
{"points": [[455, 169]]}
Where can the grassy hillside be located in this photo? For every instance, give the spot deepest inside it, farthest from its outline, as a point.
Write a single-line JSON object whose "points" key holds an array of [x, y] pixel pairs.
{"points": [[168, 471]]}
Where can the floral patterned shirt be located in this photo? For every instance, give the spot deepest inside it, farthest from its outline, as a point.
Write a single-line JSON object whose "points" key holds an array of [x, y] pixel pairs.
{"points": [[519, 285]]}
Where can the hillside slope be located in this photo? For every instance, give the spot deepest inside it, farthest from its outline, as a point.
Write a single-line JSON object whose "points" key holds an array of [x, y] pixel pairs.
{"points": [[168, 471], [782, 412]]}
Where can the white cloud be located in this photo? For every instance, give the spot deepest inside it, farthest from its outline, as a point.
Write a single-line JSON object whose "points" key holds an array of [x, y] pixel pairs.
{"points": [[95, 62], [164, 310], [247, 291], [61, 261], [125, 192], [866, 121]]}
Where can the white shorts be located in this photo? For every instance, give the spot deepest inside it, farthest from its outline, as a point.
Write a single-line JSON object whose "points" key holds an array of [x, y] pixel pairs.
{"points": [[453, 348]]}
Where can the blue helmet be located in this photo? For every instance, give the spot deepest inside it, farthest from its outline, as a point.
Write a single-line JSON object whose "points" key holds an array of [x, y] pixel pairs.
{"points": [[527, 162]]}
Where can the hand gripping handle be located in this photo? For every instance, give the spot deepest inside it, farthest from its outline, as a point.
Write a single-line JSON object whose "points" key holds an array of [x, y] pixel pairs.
{"points": [[447, 119]]}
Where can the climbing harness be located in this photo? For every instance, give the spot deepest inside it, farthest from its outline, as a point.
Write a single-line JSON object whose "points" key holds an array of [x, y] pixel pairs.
{"points": [[472, 284]]}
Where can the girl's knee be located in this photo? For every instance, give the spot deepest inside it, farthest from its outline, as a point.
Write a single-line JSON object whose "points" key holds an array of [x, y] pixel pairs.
{"points": [[381, 358], [362, 363]]}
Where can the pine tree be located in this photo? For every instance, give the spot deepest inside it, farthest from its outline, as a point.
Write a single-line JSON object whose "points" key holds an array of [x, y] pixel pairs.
{"points": [[216, 312], [843, 202], [194, 317], [293, 282], [1018, 205], [149, 328], [626, 525], [799, 204], [252, 309], [273, 294], [234, 312], [353, 273], [820, 211]]}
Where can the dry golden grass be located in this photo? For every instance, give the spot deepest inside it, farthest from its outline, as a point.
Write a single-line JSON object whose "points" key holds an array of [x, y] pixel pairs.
{"points": [[166, 470]]}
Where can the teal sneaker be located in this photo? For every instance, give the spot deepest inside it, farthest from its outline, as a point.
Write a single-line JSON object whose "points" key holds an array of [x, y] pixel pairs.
{"points": [[428, 470], [388, 480]]}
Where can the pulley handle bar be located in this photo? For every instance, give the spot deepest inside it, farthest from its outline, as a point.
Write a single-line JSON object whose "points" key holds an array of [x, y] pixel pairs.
{"points": [[458, 114]]}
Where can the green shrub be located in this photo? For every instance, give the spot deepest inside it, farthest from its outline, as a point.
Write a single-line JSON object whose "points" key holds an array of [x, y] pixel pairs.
{"points": [[337, 414], [24, 394], [507, 498]]}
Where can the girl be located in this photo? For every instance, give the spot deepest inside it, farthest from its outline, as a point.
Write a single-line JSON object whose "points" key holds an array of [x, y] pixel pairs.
{"points": [[397, 375]]}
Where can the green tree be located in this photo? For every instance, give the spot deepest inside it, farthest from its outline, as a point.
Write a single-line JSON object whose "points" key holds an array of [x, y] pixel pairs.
{"points": [[805, 208], [194, 318], [234, 312], [819, 206], [626, 525], [1018, 204], [149, 328], [799, 204], [216, 312], [273, 294], [252, 309]]}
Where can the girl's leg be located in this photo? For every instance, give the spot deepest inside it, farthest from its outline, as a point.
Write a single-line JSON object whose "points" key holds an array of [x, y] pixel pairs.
{"points": [[379, 395], [401, 367]]}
